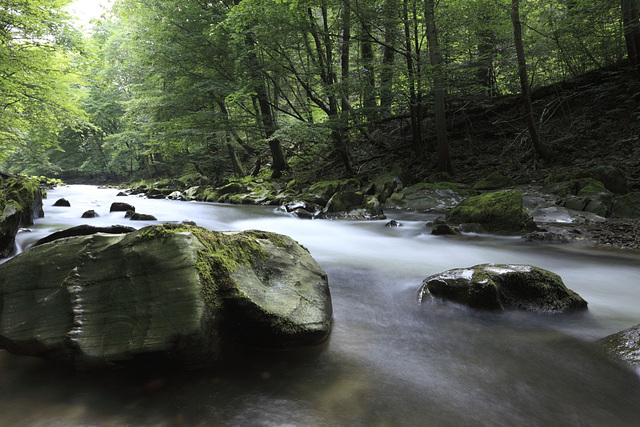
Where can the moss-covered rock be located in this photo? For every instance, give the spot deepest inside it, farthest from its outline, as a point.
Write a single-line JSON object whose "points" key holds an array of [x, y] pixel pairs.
{"points": [[627, 206], [497, 286], [499, 212], [173, 294], [429, 197], [385, 185], [612, 178], [321, 192], [624, 345], [20, 204], [494, 181]]}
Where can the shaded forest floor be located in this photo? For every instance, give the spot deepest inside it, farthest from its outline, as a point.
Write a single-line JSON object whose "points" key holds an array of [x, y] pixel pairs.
{"points": [[593, 120], [589, 121]]}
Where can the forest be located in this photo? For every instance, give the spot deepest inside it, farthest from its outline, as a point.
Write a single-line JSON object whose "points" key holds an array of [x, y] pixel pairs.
{"points": [[303, 89]]}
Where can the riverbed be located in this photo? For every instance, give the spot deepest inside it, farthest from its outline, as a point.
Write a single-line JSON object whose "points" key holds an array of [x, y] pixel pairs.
{"points": [[390, 361]]}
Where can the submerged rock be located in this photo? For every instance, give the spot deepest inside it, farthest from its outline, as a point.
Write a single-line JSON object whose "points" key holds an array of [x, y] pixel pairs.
{"points": [[62, 203], [141, 217], [170, 294], [121, 207], [90, 214], [498, 286], [624, 345]]}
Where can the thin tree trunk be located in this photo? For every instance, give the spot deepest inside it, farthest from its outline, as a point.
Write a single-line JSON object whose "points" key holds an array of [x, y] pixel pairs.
{"points": [[366, 49], [540, 149], [416, 131], [388, 58], [631, 22], [344, 53], [444, 159]]}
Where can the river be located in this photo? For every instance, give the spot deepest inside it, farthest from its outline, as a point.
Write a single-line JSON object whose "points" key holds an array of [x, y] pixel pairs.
{"points": [[389, 361]]}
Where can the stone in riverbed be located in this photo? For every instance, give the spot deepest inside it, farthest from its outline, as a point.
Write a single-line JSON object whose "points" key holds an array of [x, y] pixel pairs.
{"points": [[62, 203], [499, 286], [170, 294], [624, 345], [121, 207]]}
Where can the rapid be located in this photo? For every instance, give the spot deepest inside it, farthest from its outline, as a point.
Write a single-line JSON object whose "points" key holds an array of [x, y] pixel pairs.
{"points": [[390, 361]]}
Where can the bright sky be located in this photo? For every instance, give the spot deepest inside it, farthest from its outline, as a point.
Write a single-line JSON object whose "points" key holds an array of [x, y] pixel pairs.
{"points": [[86, 10]]}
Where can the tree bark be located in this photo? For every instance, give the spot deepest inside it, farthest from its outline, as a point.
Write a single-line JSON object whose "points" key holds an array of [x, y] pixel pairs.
{"points": [[388, 57], [444, 159], [631, 23], [540, 149], [416, 130]]}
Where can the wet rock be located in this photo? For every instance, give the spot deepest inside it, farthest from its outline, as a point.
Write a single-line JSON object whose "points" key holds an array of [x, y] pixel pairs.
{"points": [[62, 203], [393, 223], [169, 294], [353, 205], [472, 227], [176, 195], [129, 214], [497, 286], [9, 226], [613, 179], [624, 345], [84, 230], [122, 194], [302, 213], [428, 197], [90, 214], [546, 236], [441, 228], [142, 217], [499, 212], [121, 207]]}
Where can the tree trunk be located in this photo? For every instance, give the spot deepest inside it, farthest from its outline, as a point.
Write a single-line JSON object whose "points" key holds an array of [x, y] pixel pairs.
{"points": [[346, 45], [265, 113], [389, 55], [235, 162], [444, 159], [366, 49], [539, 148], [416, 131], [631, 22]]}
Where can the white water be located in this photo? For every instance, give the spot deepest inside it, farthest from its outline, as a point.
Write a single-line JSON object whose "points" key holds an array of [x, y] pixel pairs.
{"points": [[389, 361]]}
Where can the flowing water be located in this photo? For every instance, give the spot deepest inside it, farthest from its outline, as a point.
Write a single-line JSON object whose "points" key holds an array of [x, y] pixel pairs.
{"points": [[389, 361]]}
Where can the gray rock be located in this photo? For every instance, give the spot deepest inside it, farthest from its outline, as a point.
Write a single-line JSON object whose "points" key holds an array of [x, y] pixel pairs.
{"points": [[170, 294], [90, 214], [142, 217], [497, 286], [62, 203], [121, 207], [624, 345], [84, 230], [427, 197]]}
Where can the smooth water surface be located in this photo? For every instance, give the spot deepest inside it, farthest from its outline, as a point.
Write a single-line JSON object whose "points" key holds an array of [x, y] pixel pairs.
{"points": [[389, 362]]}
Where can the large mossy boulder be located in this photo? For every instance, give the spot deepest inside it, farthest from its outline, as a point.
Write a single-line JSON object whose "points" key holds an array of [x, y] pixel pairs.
{"points": [[612, 178], [173, 294], [624, 345], [20, 204], [321, 192], [352, 205], [498, 286], [429, 197], [494, 181], [627, 206], [499, 212]]}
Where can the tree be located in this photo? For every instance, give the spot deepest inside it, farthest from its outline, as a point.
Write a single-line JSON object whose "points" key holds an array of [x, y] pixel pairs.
{"points": [[38, 80], [631, 22], [539, 147], [444, 160]]}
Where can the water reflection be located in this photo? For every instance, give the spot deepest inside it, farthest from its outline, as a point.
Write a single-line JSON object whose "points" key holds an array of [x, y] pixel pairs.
{"points": [[389, 361]]}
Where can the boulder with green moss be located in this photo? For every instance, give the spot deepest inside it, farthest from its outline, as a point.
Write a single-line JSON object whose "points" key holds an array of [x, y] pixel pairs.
{"points": [[499, 212], [498, 286], [624, 345], [612, 178], [584, 194], [352, 205], [321, 192], [20, 204], [170, 294], [429, 197], [627, 206], [494, 181]]}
